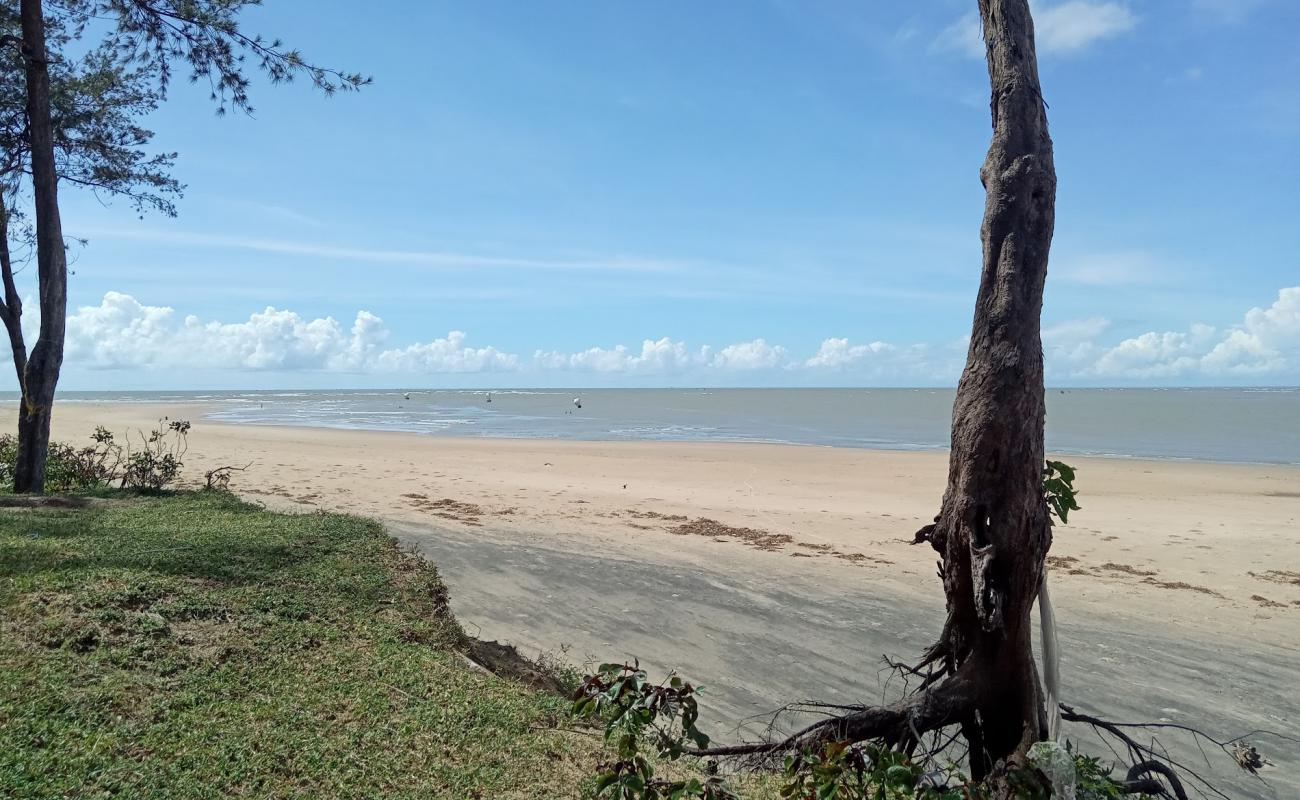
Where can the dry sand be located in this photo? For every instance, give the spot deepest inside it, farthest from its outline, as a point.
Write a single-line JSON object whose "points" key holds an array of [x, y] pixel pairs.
{"points": [[773, 569]]}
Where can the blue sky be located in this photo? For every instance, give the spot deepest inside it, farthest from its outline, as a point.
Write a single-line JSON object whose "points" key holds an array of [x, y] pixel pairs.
{"points": [[769, 192]]}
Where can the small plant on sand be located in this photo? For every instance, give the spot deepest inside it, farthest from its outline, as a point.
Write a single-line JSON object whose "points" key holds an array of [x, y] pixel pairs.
{"points": [[158, 463]]}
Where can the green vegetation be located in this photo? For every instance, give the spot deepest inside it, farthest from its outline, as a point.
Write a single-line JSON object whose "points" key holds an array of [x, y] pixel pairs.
{"points": [[1058, 489], [651, 725], [641, 718], [191, 646], [153, 464]]}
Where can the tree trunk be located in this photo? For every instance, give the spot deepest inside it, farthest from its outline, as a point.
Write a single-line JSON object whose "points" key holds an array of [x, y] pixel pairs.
{"points": [[11, 305], [993, 531], [42, 369]]}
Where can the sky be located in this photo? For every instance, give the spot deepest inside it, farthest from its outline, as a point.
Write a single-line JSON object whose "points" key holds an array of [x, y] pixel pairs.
{"points": [[757, 193]]}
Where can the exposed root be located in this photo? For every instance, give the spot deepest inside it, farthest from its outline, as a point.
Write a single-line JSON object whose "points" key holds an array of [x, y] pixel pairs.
{"points": [[1138, 780], [1148, 761], [926, 710]]}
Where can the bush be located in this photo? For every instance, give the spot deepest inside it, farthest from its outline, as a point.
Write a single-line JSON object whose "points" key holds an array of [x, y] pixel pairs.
{"points": [[105, 462]]}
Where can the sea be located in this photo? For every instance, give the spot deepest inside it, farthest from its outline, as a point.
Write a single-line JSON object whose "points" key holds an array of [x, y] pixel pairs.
{"points": [[1259, 426]]}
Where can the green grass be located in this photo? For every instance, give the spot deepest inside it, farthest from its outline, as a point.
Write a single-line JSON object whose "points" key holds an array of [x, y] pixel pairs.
{"points": [[193, 646]]}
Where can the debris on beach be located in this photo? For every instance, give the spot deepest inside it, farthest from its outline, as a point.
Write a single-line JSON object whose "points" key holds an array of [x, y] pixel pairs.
{"points": [[1248, 758], [455, 510], [758, 539]]}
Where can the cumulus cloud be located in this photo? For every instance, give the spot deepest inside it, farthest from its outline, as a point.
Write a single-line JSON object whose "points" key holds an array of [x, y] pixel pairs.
{"points": [[119, 332], [1266, 343], [656, 357], [839, 354], [888, 363], [1059, 28], [122, 333], [1155, 355], [446, 355], [757, 354]]}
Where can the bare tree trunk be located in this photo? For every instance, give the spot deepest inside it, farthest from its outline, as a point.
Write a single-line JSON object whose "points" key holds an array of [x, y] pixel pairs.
{"points": [[42, 369], [11, 305], [993, 531]]}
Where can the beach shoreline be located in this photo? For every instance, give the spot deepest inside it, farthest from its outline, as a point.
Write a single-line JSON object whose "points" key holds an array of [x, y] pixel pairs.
{"points": [[769, 570], [1241, 426], [1179, 537]]}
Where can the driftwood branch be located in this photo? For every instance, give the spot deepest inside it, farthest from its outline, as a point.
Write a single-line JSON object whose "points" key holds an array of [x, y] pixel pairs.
{"points": [[219, 477]]}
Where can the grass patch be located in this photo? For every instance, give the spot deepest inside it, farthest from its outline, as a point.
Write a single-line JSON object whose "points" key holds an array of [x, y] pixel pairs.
{"points": [[193, 646]]}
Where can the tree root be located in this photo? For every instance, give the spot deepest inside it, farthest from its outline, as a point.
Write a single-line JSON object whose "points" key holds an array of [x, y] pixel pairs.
{"points": [[1136, 783], [1148, 761], [938, 706], [900, 723]]}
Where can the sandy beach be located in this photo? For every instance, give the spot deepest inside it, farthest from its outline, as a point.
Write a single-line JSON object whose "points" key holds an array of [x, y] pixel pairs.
{"points": [[783, 572]]}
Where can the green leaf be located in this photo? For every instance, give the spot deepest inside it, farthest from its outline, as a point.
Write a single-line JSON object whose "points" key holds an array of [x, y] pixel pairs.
{"points": [[900, 775]]}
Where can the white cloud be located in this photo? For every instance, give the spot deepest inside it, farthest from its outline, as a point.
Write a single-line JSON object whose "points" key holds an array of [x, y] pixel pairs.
{"points": [[1071, 27], [446, 355], [1155, 355], [757, 354], [1265, 344], [656, 357], [839, 354], [1267, 341], [120, 333], [1059, 28]]}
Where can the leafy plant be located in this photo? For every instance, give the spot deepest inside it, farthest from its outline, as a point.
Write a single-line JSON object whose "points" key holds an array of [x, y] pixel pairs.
{"points": [[1058, 489], [864, 771], [105, 462], [636, 712], [159, 462]]}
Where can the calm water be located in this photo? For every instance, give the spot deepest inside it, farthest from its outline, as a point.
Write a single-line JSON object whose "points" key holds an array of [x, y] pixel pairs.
{"points": [[1244, 425]]}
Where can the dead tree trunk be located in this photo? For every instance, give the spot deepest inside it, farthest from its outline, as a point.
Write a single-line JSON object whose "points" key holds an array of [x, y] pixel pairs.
{"points": [[993, 531], [41, 374]]}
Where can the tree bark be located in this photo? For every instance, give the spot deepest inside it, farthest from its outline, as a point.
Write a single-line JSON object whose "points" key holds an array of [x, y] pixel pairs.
{"points": [[993, 530], [11, 305], [41, 374]]}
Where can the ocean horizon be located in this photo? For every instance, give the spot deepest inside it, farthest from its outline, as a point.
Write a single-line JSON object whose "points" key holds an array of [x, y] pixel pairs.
{"points": [[1241, 425]]}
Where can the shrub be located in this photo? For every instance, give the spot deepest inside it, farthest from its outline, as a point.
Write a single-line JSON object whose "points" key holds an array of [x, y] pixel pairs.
{"points": [[105, 462]]}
